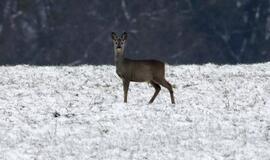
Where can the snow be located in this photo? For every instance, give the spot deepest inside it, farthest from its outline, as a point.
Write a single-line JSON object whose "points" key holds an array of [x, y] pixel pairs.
{"points": [[221, 112]]}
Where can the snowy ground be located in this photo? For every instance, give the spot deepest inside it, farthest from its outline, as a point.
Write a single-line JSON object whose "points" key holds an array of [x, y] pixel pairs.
{"points": [[222, 112]]}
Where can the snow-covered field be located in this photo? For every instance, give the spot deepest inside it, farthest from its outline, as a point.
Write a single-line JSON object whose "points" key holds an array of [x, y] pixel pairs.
{"points": [[221, 112]]}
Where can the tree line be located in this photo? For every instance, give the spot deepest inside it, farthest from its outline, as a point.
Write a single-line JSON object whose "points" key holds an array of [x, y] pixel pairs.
{"points": [[68, 32]]}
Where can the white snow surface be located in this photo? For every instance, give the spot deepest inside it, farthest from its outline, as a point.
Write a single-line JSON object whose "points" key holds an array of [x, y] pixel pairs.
{"points": [[61, 112]]}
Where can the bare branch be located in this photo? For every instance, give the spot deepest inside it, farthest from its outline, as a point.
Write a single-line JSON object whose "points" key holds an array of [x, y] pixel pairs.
{"points": [[124, 8]]}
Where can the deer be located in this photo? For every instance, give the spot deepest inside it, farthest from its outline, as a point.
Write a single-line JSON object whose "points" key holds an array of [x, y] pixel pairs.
{"points": [[130, 70]]}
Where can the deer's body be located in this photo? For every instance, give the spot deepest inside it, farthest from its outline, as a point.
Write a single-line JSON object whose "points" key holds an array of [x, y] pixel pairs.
{"points": [[139, 70], [128, 70]]}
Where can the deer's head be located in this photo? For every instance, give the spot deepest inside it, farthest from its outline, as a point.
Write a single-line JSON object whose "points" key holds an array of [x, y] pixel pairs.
{"points": [[119, 43]]}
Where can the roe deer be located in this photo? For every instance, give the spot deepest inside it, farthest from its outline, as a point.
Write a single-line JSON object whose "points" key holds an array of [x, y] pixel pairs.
{"points": [[152, 71]]}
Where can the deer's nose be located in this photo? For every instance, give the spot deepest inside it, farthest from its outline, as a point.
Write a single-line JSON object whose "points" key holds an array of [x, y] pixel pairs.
{"points": [[118, 47]]}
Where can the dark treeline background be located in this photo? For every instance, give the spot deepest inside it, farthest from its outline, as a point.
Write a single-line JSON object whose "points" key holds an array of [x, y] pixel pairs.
{"points": [[71, 32]]}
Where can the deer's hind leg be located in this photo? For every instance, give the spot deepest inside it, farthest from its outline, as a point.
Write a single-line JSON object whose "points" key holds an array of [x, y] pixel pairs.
{"points": [[167, 85], [157, 89]]}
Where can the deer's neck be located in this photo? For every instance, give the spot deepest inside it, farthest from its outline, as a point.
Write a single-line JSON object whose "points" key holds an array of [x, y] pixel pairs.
{"points": [[119, 59], [120, 65]]}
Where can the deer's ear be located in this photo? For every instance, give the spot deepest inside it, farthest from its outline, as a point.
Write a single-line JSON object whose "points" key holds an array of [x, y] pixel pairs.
{"points": [[124, 36], [114, 36]]}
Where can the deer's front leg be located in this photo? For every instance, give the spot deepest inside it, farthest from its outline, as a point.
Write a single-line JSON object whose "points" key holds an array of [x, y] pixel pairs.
{"points": [[126, 85]]}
